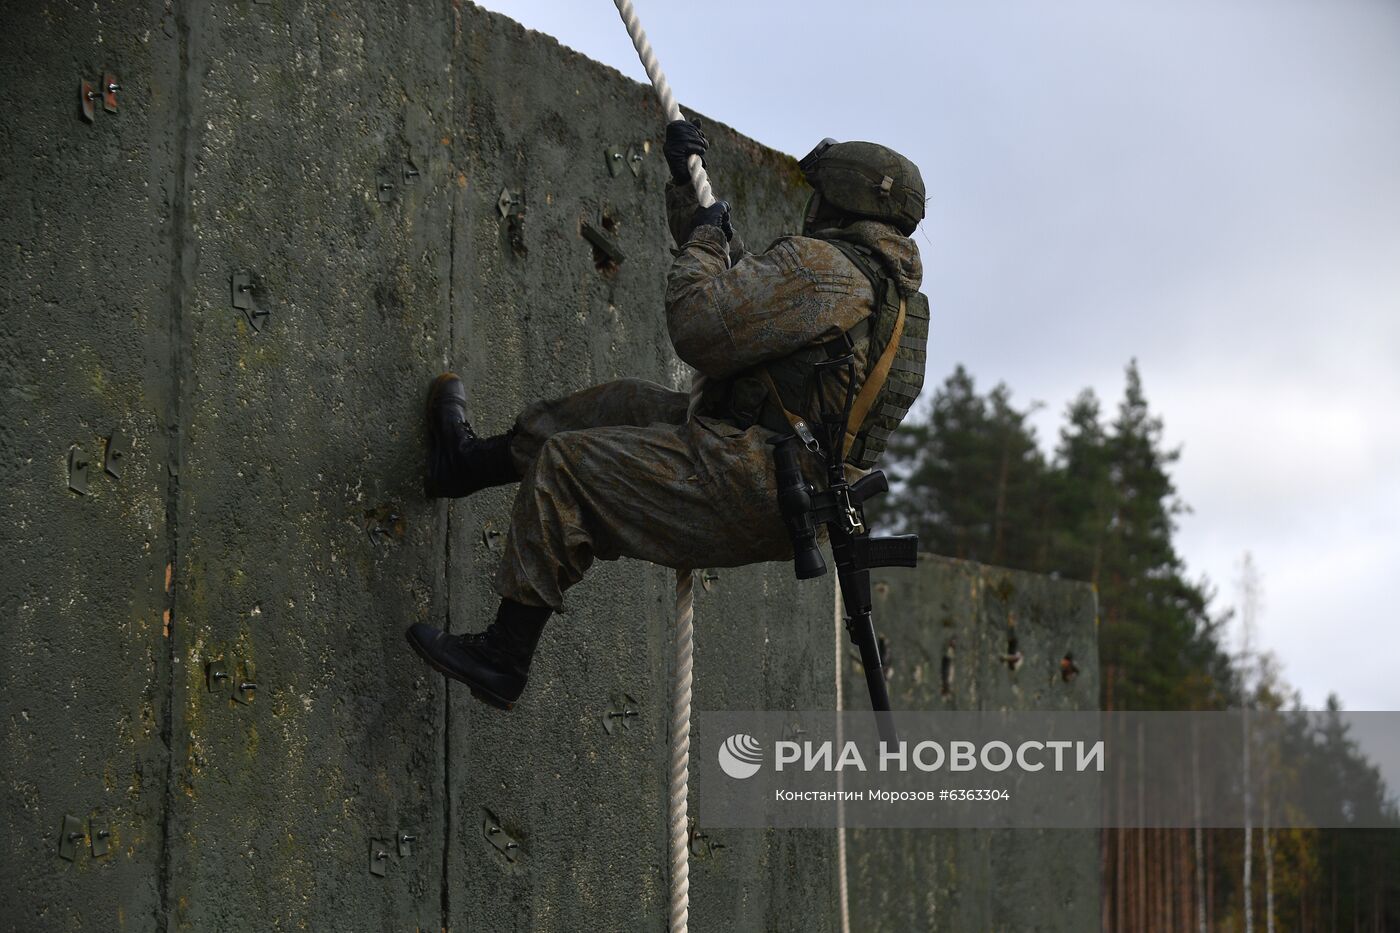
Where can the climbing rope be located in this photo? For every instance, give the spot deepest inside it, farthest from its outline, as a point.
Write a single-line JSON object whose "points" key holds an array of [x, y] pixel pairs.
{"points": [[698, 177], [678, 812]]}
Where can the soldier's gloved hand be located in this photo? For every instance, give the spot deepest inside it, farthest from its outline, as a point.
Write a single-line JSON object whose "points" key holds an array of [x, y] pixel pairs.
{"points": [[716, 215], [683, 140]]}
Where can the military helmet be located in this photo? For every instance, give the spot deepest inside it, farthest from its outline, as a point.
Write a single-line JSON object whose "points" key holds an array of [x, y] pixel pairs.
{"points": [[867, 180]]}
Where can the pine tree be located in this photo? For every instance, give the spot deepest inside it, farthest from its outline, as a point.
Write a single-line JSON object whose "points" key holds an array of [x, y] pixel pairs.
{"points": [[969, 478], [971, 481]]}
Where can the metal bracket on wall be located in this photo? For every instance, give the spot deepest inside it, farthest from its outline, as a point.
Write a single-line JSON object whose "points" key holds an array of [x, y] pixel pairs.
{"points": [[793, 732], [511, 204], [215, 675], [245, 683], [87, 100], [406, 841], [702, 845], [709, 580], [498, 837], [614, 158], [101, 837], [617, 160], [77, 470], [384, 525], [109, 92], [378, 857], [625, 709], [69, 836], [410, 172], [384, 186], [116, 452], [634, 161], [89, 94], [605, 249], [241, 294]]}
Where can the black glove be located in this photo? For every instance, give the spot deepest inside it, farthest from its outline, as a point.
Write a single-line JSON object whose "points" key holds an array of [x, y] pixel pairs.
{"points": [[716, 215], [683, 139]]}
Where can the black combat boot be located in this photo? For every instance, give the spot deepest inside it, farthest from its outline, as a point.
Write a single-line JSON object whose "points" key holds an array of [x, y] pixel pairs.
{"points": [[459, 462], [494, 663]]}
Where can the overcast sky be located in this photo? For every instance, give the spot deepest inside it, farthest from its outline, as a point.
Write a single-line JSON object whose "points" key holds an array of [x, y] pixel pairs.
{"points": [[1211, 187]]}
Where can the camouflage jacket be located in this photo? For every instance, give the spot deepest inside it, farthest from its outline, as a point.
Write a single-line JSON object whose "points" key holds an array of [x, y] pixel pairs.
{"points": [[729, 311]]}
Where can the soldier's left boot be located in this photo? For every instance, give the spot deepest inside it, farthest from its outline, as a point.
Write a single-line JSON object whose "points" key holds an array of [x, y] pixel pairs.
{"points": [[459, 462], [495, 663]]}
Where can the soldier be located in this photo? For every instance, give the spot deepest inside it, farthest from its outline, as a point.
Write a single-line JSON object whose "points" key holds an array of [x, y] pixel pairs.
{"points": [[618, 470]]}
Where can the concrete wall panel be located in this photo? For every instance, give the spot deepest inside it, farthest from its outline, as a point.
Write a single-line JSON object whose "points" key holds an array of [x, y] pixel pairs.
{"points": [[305, 542], [949, 624], [536, 316], [86, 213]]}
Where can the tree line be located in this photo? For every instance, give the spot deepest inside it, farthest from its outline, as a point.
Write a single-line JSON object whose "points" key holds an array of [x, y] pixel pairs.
{"points": [[969, 475]]}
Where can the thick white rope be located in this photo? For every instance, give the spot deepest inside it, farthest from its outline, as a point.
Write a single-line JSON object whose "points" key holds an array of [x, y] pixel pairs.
{"points": [[698, 177], [679, 801]]}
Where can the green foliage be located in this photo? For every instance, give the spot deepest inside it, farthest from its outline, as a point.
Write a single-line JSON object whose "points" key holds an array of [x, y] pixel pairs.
{"points": [[971, 477], [971, 480]]}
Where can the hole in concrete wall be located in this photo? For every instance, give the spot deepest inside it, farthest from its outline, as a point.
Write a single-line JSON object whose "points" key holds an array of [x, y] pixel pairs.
{"points": [[945, 669], [602, 263], [1068, 669], [1013, 656], [607, 257], [515, 233]]}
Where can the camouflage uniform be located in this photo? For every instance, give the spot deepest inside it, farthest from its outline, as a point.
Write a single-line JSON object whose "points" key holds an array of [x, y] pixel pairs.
{"points": [[616, 470]]}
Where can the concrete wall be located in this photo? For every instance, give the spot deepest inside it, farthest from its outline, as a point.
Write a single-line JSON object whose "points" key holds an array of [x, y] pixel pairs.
{"points": [[267, 521], [949, 627]]}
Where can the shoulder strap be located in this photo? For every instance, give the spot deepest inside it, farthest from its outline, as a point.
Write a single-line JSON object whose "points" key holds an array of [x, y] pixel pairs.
{"points": [[876, 374], [875, 381], [878, 371]]}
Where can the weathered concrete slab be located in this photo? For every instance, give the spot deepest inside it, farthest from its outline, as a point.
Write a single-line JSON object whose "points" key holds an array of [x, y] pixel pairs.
{"points": [[954, 630], [305, 543], [86, 252], [537, 315]]}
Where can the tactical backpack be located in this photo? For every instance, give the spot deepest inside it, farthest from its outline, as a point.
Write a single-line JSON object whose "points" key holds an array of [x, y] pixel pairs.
{"points": [[897, 331]]}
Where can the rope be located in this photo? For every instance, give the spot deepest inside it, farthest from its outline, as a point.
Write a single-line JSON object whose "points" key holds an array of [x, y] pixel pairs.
{"points": [[698, 177], [679, 799], [678, 812]]}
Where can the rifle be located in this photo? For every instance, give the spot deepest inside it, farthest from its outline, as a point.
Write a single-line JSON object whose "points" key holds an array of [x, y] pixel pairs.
{"points": [[840, 507]]}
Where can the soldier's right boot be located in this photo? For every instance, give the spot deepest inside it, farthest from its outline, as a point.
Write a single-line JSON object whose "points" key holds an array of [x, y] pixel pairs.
{"points": [[495, 663], [459, 462]]}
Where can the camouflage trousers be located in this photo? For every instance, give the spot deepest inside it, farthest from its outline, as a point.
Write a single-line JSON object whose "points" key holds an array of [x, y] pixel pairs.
{"points": [[616, 471]]}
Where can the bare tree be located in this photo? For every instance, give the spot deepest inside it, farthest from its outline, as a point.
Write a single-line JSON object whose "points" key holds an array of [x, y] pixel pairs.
{"points": [[1200, 846], [1249, 609]]}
